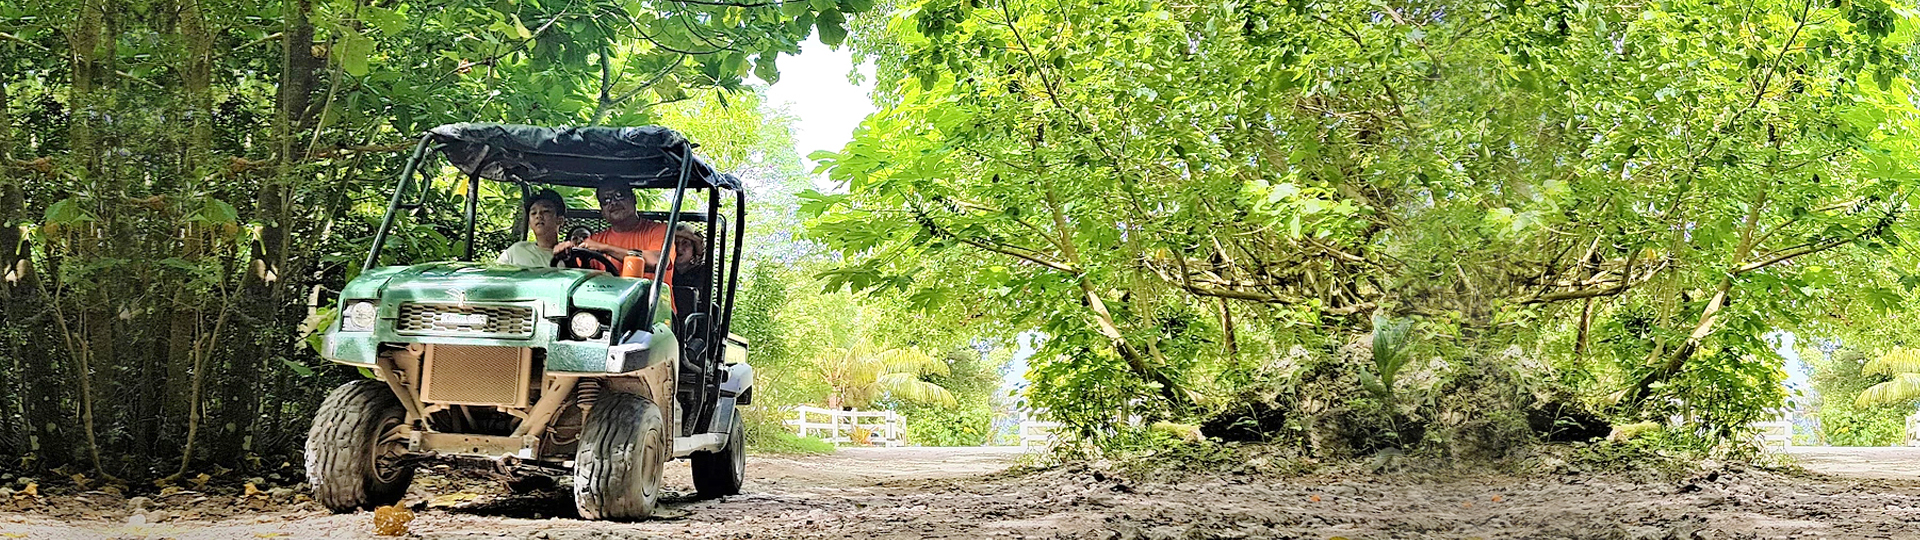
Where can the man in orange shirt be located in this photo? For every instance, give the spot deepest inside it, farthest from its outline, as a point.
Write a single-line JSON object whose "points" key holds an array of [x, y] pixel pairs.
{"points": [[628, 232]]}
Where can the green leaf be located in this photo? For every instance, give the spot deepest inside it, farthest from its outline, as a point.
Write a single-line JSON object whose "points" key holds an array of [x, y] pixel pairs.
{"points": [[67, 212], [832, 27], [298, 368], [520, 29], [734, 63], [353, 52], [794, 8], [813, 203], [1904, 387], [1899, 360], [216, 211], [1884, 299], [387, 21], [765, 67]]}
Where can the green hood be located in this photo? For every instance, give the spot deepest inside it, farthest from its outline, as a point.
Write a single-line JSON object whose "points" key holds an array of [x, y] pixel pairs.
{"points": [[476, 282], [556, 290], [554, 293]]}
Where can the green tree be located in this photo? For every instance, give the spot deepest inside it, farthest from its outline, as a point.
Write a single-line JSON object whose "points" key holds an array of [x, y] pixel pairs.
{"points": [[196, 178], [1902, 366], [860, 375], [1167, 189]]}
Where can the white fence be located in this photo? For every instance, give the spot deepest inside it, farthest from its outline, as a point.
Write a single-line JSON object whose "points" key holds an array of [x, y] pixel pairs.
{"points": [[1913, 430], [1776, 434], [1773, 435], [876, 428], [1037, 433]]}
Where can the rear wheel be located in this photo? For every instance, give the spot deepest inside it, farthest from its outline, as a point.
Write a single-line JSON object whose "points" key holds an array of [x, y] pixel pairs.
{"points": [[720, 473], [356, 448], [621, 457]]}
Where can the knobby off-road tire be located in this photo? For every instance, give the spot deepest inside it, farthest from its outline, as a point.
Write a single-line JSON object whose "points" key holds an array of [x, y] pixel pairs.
{"points": [[720, 473], [623, 452], [355, 432]]}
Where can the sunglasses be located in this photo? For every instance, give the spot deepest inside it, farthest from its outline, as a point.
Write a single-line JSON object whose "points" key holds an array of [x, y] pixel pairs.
{"points": [[614, 197]]}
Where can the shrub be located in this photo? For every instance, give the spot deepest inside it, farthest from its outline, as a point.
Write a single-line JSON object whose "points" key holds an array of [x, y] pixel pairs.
{"points": [[929, 426], [1844, 425]]}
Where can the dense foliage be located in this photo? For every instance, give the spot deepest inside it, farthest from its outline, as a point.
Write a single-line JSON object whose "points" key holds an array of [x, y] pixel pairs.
{"points": [[1204, 205], [191, 179], [1847, 417], [1457, 225]]}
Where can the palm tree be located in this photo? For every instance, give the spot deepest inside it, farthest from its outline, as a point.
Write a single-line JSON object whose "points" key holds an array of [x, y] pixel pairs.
{"points": [[1904, 365], [863, 373]]}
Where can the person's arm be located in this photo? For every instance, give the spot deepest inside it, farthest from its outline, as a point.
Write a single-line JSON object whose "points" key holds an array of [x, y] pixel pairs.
{"points": [[616, 252]]}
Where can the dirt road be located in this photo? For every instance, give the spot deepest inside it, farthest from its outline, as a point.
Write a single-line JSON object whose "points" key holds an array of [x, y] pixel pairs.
{"points": [[1891, 463], [966, 493]]}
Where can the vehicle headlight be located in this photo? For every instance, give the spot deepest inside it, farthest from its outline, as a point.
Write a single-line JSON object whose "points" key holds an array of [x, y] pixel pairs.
{"points": [[585, 325], [359, 317]]}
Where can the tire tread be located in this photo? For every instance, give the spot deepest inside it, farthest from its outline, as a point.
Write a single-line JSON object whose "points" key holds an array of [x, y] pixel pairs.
{"points": [[339, 442], [609, 458]]}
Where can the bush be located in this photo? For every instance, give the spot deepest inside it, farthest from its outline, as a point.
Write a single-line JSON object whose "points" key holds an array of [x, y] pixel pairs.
{"points": [[1843, 425], [767, 433], [928, 426], [783, 442]]}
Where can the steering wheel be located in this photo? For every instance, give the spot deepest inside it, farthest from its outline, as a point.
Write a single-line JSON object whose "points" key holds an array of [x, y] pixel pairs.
{"points": [[579, 257]]}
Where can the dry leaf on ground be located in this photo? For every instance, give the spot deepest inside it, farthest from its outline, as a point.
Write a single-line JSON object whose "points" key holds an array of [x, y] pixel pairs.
{"points": [[391, 520], [451, 500]]}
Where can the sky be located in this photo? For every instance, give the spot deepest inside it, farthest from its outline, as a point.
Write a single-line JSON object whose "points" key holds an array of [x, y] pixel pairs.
{"points": [[814, 87]]}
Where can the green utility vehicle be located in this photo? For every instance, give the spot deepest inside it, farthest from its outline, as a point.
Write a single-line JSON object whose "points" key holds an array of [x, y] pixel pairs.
{"points": [[533, 373]]}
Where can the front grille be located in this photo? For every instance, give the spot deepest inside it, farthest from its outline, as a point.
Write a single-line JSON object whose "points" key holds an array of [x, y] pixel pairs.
{"points": [[465, 320], [477, 375]]}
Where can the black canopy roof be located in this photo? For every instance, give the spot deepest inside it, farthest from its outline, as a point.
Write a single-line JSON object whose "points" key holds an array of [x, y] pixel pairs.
{"points": [[646, 156]]}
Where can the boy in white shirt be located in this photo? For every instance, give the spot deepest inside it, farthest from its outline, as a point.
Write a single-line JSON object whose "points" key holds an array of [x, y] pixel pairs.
{"points": [[546, 215]]}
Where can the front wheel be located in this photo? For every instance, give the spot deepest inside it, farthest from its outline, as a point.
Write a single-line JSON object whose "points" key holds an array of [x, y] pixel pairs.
{"points": [[720, 473], [623, 451], [356, 448]]}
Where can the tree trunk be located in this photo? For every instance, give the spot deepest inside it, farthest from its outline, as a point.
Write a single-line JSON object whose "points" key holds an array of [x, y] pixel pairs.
{"points": [[12, 206], [91, 40], [1710, 315], [1103, 319], [85, 42], [1582, 340], [197, 108], [296, 92], [12, 202], [197, 77], [203, 346]]}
